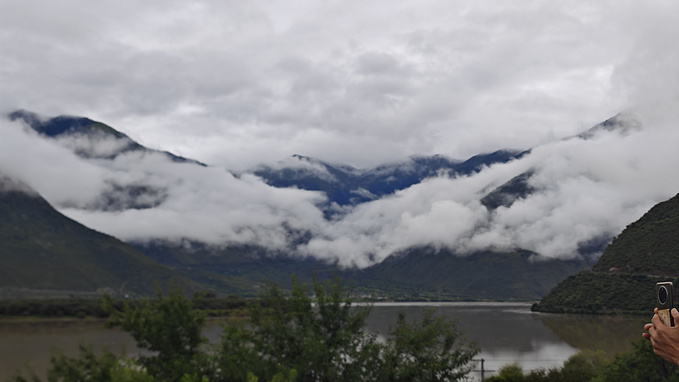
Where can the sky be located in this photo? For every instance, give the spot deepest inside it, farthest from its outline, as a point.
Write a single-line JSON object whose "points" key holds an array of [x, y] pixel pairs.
{"points": [[235, 84]]}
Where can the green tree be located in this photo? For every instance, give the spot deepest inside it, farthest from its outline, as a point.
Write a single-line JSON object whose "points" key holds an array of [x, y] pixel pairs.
{"points": [[323, 340], [91, 368], [640, 364], [427, 350], [509, 373], [326, 340], [582, 366], [169, 328]]}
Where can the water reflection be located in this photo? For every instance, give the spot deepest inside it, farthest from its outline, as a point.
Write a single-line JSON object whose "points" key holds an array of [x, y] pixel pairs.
{"points": [[609, 333], [511, 333], [33, 342]]}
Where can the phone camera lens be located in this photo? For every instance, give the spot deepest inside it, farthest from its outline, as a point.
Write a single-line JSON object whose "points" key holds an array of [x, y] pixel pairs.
{"points": [[662, 295]]}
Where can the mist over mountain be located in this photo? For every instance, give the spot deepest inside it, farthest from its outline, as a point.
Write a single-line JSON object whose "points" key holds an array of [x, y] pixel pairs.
{"points": [[87, 138], [346, 185], [552, 200], [643, 254], [44, 250]]}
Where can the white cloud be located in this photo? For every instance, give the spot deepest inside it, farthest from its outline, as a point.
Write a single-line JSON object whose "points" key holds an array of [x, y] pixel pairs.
{"points": [[236, 84], [585, 189]]}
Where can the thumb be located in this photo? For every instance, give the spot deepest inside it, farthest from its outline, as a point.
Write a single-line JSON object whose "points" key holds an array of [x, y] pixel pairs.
{"points": [[675, 313]]}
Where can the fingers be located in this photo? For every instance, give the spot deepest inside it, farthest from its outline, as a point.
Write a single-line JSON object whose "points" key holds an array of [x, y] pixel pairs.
{"points": [[656, 320], [647, 328], [652, 332], [675, 313]]}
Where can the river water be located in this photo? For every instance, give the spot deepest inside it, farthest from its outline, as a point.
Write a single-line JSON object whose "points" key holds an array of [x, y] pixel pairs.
{"points": [[505, 332], [511, 333]]}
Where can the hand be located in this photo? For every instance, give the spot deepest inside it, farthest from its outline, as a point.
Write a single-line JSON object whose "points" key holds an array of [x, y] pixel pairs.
{"points": [[665, 340]]}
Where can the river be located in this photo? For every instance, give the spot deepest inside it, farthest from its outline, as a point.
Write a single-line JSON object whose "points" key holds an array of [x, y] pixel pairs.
{"points": [[505, 332]]}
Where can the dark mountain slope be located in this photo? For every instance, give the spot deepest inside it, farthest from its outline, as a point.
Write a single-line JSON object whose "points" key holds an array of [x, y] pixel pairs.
{"points": [[243, 266], [505, 195], [517, 275], [421, 273], [623, 279], [42, 249], [648, 246]]}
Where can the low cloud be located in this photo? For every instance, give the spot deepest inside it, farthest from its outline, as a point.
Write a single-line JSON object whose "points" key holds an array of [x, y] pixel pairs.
{"points": [[238, 84], [586, 188]]}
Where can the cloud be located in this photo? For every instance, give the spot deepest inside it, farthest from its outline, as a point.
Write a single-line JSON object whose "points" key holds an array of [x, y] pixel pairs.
{"points": [[586, 188], [180, 200], [54, 171], [236, 84], [12, 184]]}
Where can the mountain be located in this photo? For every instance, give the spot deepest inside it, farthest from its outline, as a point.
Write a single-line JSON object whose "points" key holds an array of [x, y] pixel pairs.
{"points": [[648, 246], [92, 140], [434, 274], [43, 249], [132, 186], [346, 185], [244, 267], [623, 279], [95, 140], [520, 187], [419, 273]]}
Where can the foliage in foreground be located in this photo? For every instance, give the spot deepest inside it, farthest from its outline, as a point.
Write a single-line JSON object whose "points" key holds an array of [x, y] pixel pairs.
{"points": [[287, 338], [640, 364]]}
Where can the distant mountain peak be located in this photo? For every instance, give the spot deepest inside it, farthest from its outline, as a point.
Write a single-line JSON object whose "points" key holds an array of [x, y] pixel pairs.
{"points": [[88, 138], [622, 123], [29, 117], [346, 185], [65, 125]]}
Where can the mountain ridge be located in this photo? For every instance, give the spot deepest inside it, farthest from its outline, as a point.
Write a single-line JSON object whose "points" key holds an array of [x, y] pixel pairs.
{"points": [[86, 128], [623, 278], [43, 252], [42, 249], [244, 267], [346, 185]]}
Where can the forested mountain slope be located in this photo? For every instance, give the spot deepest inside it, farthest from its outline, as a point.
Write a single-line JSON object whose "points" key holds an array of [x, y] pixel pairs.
{"points": [[43, 249], [623, 279]]}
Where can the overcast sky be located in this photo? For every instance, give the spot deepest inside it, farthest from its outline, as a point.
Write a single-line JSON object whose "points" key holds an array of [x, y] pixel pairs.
{"points": [[236, 83]]}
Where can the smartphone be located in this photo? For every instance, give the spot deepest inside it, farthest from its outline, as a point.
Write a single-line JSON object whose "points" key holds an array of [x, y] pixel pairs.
{"points": [[664, 293]]}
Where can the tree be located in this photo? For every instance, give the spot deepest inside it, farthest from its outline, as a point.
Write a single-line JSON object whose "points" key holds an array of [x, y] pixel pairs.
{"points": [[323, 340], [168, 327], [91, 368], [427, 350], [512, 372], [326, 340], [640, 364]]}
